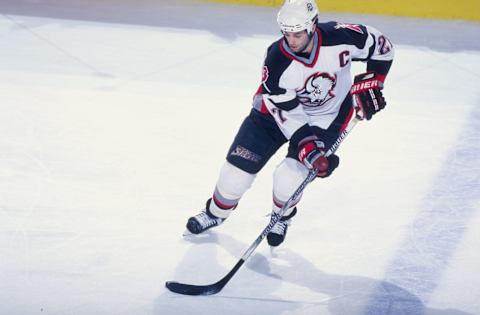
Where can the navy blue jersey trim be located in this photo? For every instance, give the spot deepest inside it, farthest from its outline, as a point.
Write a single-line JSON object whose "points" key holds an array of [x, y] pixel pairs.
{"points": [[288, 105], [276, 64], [371, 50]]}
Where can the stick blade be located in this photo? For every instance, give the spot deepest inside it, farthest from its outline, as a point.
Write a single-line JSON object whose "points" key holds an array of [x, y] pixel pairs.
{"points": [[190, 289]]}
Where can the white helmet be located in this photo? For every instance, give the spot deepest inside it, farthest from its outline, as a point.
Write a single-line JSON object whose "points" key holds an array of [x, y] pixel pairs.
{"points": [[297, 15]]}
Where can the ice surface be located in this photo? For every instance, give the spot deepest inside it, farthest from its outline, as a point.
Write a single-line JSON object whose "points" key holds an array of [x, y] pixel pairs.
{"points": [[115, 119]]}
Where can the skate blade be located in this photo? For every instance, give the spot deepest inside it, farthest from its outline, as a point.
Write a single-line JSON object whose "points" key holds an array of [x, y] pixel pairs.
{"points": [[273, 253], [187, 233]]}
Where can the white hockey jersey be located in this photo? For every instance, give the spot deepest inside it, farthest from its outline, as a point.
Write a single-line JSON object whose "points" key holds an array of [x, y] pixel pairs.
{"points": [[298, 90]]}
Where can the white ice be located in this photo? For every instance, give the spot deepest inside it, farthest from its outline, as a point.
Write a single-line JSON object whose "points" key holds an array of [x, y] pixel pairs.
{"points": [[115, 117]]}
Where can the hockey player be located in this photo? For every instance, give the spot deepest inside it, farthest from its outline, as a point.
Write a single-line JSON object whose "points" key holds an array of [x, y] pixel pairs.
{"points": [[305, 100]]}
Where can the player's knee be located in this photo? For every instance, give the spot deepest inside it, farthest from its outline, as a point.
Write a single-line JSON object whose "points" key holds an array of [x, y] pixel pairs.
{"points": [[231, 185], [288, 175], [233, 182]]}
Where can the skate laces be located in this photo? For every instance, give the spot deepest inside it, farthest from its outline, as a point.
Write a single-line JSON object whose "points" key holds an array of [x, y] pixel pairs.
{"points": [[280, 227], [207, 221]]}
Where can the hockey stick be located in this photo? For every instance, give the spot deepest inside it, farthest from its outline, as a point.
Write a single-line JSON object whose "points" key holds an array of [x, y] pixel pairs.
{"points": [[191, 289]]}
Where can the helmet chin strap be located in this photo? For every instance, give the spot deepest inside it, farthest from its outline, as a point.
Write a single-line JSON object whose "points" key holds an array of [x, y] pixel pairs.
{"points": [[310, 35], [312, 31], [310, 38]]}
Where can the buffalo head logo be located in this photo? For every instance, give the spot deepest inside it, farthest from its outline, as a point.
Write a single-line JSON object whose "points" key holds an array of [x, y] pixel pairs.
{"points": [[318, 89]]}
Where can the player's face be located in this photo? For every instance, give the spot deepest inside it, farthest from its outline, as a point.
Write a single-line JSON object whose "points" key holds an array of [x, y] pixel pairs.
{"points": [[298, 41]]}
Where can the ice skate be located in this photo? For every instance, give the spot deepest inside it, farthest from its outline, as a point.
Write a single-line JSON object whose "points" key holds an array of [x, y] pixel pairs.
{"points": [[277, 234], [203, 221]]}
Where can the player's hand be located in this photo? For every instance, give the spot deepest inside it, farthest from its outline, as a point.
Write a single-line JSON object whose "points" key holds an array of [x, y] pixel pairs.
{"points": [[312, 154], [367, 92]]}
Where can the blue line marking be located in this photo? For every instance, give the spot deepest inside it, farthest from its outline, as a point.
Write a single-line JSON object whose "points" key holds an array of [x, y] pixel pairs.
{"points": [[435, 233]]}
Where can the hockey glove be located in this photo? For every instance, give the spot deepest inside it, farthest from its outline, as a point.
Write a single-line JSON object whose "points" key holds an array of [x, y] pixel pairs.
{"points": [[367, 92], [312, 154]]}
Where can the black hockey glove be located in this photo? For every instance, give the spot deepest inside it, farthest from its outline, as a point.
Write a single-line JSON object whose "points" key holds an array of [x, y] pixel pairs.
{"points": [[312, 154], [367, 92]]}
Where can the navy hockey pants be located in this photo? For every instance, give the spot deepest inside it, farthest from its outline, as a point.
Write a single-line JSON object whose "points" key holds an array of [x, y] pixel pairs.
{"points": [[259, 138]]}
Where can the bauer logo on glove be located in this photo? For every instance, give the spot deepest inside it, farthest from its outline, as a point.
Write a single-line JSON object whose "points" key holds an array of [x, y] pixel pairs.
{"points": [[367, 93]]}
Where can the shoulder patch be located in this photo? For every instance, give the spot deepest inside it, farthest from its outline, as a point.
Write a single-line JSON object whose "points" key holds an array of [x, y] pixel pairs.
{"points": [[336, 33], [353, 27]]}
